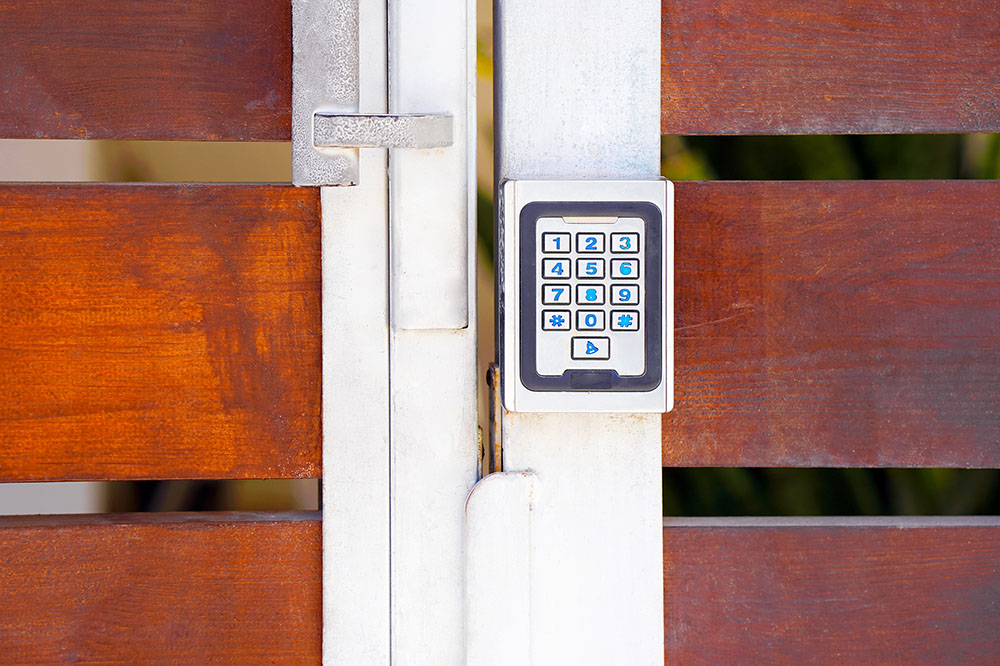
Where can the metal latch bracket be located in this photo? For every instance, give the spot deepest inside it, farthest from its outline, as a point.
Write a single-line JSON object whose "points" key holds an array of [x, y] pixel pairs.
{"points": [[382, 130]]}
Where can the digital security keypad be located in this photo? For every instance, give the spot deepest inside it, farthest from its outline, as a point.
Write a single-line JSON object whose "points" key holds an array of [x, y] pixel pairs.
{"points": [[586, 282], [620, 345]]}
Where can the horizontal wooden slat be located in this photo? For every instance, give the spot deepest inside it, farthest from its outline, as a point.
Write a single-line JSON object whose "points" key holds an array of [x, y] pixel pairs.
{"points": [[830, 66], [836, 324], [182, 588], [883, 591], [146, 69], [152, 331]]}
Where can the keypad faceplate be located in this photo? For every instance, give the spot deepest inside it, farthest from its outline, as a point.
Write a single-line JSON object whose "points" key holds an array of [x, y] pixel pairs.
{"points": [[601, 265]]}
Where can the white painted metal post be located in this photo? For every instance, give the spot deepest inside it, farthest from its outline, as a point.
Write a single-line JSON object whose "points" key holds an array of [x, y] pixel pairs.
{"points": [[356, 381], [399, 339], [433, 357], [578, 97]]}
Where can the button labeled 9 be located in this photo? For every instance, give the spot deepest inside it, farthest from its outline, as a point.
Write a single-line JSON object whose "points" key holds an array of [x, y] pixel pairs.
{"points": [[628, 295]]}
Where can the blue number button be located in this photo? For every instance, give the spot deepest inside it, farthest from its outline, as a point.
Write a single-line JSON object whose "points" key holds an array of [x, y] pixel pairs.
{"points": [[624, 320], [625, 268], [591, 349], [555, 320], [589, 242], [587, 294], [590, 269], [555, 294], [590, 320], [622, 243], [556, 269], [625, 295], [555, 243]]}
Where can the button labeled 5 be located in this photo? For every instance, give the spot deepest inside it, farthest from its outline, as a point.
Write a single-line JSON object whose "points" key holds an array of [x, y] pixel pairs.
{"points": [[590, 269]]}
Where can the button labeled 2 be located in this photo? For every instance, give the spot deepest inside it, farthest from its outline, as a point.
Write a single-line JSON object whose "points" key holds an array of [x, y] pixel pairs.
{"points": [[590, 242]]}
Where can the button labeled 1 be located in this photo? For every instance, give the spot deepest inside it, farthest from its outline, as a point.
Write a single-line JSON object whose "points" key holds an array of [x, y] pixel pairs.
{"points": [[555, 243]]}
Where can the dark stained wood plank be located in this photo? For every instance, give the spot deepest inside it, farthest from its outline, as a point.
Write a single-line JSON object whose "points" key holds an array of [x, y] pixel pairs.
{"points": [[836, 324], [146, 69], [178, 589], [885, 591], [155, 331], [830, 66]]}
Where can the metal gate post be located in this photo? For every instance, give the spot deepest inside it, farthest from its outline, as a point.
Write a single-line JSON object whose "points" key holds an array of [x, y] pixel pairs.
{"points": [[578, 97], [384, 107]]}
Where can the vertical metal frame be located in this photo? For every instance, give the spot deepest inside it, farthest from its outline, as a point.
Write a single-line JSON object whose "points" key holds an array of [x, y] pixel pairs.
{"points": [[578, 97], [433, 350], [356, 591], [400, 446]]}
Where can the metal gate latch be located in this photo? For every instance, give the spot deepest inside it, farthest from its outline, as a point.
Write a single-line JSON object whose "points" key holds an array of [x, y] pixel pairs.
{"points": [[410, 130], [343, 100]]}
